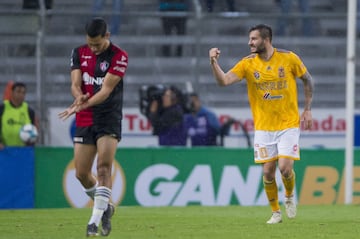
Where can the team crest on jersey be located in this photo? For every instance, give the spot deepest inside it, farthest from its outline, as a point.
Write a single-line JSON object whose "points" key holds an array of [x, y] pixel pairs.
{"points": [[256, 75], [104, 65], [281, 72]]}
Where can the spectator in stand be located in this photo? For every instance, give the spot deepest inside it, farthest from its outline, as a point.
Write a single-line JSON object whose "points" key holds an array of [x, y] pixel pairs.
{"points": [[202, 125], [15, 113], [230, 5], [98, 6], [172, 24], [35, 4], [284, 21], [167, 118], [29, 49]]}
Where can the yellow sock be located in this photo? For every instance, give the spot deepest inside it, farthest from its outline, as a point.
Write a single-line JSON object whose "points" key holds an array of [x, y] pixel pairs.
{"points": [[272, 194], [289, 184]]}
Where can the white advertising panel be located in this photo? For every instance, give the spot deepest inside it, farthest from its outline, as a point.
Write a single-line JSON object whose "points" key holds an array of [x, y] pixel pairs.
{"points": [[328, 129]]}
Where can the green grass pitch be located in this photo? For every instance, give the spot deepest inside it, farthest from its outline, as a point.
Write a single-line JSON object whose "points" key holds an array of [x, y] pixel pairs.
{"points": [[336, 221]]}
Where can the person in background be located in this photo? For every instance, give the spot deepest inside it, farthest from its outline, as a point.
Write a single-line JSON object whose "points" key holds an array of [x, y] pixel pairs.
{"points": [[97, 71], [284, 22], [202, 125], [35, 4], [271, 75], [30, 49], [167, 118], [15, 113], [172, 24], [210, 5], [98, 6]]}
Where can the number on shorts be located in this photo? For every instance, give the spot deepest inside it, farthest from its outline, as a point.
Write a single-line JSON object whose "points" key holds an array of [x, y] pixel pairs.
{"points": [[263, 152]]}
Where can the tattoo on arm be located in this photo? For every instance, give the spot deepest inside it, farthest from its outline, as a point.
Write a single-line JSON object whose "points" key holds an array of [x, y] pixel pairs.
{"points": [[308, 89]]}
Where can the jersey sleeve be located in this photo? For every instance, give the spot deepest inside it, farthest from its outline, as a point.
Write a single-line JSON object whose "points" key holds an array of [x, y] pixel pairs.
{"points": [[239, 69], [299, 69], [75, 59], [119, 64]]}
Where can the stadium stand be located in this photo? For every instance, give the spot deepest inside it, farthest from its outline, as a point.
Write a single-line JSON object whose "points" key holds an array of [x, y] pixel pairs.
{"points": [[141, 36]]}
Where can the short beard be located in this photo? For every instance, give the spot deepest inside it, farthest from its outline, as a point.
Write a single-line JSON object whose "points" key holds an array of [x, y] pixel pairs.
{"points": [[260, 50]]}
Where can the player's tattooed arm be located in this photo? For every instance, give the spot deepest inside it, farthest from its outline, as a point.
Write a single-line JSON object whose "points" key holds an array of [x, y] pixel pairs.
{"points": [[308, 89], [306, 116]]}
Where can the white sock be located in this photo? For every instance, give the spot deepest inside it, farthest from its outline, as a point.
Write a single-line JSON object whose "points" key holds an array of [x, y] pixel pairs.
{"points": [[101, 201]]}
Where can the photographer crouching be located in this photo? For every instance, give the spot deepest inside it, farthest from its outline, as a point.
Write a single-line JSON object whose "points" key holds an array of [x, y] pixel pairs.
{"points": [[166, 116]]}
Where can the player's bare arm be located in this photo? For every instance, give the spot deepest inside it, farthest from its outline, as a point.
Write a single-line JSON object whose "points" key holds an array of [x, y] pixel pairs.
{"points": [[76, 82], [80, 98], [221, 77], [109, 84], [306, 116]]}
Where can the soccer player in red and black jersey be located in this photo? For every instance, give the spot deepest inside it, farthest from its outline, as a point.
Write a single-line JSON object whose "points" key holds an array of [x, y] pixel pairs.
{"points": [[97, 72]]}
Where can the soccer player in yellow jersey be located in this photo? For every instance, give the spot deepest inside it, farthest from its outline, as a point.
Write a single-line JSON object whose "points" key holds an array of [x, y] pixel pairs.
{"points": [[271, 75]]}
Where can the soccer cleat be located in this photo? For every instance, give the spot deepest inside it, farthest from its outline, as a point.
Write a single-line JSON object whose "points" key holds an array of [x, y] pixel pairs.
{"points": [[290, 207], [92, 230], [106, 220], [275, 218]]}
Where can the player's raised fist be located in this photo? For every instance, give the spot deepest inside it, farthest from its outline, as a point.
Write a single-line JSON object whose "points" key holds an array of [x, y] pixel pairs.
{"points": [[214, 53]]}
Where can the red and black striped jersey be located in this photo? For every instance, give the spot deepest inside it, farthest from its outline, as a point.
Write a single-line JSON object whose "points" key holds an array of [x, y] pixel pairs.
{"points": [[94, 68]]}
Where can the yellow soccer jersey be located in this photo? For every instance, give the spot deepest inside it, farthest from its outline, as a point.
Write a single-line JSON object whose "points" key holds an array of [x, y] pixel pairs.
{"points": [[272, 88]]}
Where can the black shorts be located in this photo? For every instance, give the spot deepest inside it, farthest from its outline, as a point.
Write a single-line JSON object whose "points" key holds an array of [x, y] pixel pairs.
{"points": [[90, 134]]}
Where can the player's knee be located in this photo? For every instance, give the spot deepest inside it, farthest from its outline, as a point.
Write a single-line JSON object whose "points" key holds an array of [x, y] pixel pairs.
{"points": [[286, 172], [82, 176], [269, 176]]}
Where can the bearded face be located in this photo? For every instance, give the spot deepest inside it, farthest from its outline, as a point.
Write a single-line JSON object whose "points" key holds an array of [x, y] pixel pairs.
{"points": [[256, 43]]}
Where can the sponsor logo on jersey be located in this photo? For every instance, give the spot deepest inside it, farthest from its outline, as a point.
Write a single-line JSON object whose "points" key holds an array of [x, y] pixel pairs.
{"points": [[89, 80], [85, 57], [257, 75], [124, 63], [84, 64], [119, 68], [268, 96], [271, 85]]}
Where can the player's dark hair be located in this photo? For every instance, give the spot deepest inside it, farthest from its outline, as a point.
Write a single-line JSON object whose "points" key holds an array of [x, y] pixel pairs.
{"points": [[96, 27], [265, 31], [18, 84]]}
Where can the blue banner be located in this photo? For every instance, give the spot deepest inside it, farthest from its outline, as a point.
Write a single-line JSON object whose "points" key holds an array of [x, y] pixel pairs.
{"points": [[357, 130], [17, 177]]}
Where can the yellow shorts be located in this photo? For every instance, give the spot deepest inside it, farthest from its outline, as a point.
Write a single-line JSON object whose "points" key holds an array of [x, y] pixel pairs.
{"points": [[272, 145]]}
